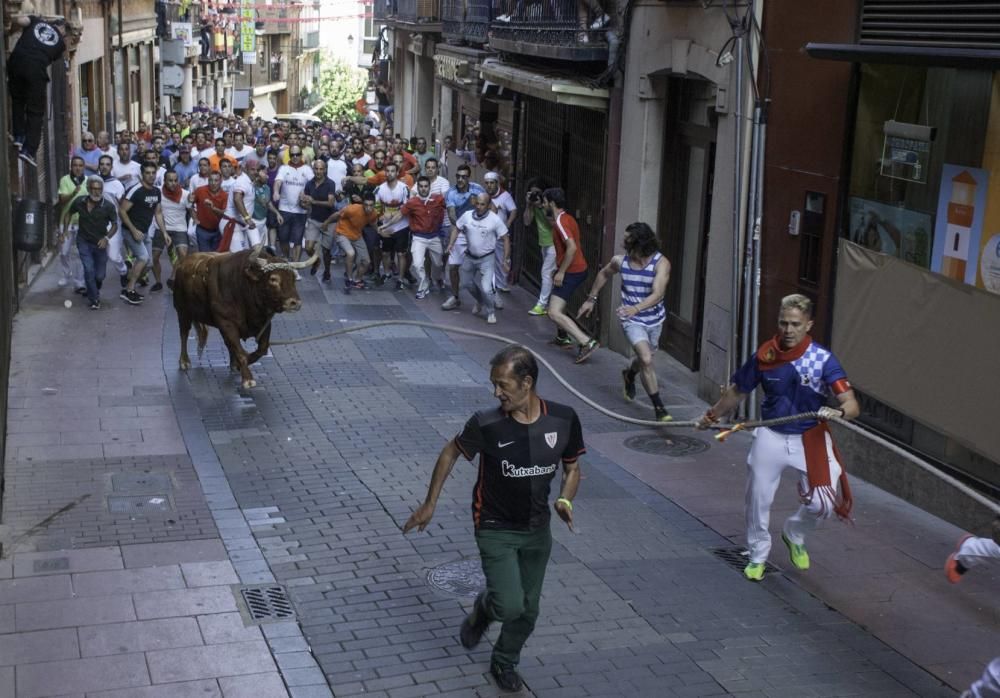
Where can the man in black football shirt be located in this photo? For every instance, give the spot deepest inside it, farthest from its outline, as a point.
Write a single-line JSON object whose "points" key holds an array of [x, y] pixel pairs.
{"points": [[520, 445]]}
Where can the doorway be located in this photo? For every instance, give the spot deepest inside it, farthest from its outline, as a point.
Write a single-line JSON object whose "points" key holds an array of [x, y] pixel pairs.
{"points": [[685, 211]]}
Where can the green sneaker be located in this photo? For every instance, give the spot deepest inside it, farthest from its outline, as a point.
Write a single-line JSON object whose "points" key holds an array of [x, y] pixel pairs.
{"points": [[796, 553], [538, 310], [628, 380], [754, 571]]}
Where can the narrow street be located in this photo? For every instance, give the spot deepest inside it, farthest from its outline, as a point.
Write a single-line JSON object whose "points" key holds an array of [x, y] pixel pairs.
{"points": [[140, 500]]}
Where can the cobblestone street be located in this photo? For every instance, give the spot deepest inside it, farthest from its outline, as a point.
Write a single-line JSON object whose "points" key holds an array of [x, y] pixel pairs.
{"points": [[139, 501]]}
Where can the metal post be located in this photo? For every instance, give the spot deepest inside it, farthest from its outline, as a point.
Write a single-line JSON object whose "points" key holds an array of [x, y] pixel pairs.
{"points": [[758, 238], [734, 323], [746, 341]]}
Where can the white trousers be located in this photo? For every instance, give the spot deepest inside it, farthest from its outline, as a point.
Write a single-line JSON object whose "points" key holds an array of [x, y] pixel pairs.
{"points": [[499, 275], [420, 247], [770, 454], [69, 260], [989, 685], [115, 255], [548, 270], [976, 551], [244, 237]]}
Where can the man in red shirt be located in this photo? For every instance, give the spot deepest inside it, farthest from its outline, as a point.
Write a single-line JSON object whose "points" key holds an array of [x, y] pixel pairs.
{"points": [[571, 270], [425, 212], [210, 204]]}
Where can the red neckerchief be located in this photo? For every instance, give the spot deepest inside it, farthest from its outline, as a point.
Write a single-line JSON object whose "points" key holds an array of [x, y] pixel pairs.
{"points": [[771, 355], [176, 198]]}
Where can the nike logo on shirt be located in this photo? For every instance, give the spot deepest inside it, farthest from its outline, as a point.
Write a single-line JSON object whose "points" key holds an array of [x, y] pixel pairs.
{"points": [[503, 445]]}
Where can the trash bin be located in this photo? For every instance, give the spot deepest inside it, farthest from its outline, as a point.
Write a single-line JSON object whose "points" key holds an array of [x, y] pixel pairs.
{"points": [[29, 229]]}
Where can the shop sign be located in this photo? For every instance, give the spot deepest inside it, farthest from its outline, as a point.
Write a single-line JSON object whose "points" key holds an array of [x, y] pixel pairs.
{"points": [[906, 151], [451, 68], [248, 33]]}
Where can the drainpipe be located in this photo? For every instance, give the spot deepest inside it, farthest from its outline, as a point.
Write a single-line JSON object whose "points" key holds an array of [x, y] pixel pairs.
{"points": [[125, 72], [737, 247], [747, 345], [109, 71], [612, 168], [758, 223]]}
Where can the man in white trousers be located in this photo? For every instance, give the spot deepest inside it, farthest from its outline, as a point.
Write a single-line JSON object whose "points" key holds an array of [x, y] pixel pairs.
{"points": [[114, 190], [797, 375]]}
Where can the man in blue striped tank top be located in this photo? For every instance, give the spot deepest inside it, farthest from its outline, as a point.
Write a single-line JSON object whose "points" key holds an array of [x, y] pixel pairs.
{"points": [[645, 273]]}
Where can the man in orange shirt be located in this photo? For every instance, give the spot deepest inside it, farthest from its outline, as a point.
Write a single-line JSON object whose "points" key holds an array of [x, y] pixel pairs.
{"points": [[351, 221], [219, 155], [571, 270]]}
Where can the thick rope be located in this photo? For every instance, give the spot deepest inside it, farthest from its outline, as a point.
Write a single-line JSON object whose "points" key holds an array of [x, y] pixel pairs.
{"points": [[726, 429]]}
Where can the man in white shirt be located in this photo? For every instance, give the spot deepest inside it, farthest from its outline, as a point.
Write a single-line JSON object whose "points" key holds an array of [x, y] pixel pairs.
{"points": [[239, 151], [395, 235], [174, 206], [125, 168], [483, 231], [289, 184], [237, 217], [503, 204], [114, 190]]}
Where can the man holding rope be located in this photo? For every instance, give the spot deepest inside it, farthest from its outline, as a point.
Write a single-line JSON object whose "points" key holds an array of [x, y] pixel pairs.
{"points": [[797, 375], [520, 444]]}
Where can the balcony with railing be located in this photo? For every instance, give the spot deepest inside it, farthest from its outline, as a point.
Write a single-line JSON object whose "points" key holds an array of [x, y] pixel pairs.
{"points": [[424, 14], [570, 30], [274, 19], [182, 21], [466, 21]]}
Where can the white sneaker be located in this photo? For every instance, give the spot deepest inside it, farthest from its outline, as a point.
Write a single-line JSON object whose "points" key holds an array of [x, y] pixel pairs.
{"points": [[451, 303], [503, 18], [491, 319], [62, 282], [476, 308]]}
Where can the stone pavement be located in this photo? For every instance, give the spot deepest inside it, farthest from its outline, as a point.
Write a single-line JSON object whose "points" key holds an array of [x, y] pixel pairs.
{"points": [[306, 480]]}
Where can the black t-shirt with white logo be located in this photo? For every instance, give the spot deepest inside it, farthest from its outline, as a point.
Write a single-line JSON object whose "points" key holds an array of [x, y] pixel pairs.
{"points": [[144, 202], [40, 44], [517, 463]]}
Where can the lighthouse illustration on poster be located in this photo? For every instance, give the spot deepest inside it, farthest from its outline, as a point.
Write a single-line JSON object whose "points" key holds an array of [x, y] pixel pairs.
{"points": [[959, 224]]}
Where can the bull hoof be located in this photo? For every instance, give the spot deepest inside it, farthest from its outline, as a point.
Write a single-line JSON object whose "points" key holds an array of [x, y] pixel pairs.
{"points": [[184, 364], [249, 384]]}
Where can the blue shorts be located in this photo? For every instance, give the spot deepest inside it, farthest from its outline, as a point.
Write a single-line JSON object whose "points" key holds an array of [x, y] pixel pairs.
{"points": [[570, 283]]}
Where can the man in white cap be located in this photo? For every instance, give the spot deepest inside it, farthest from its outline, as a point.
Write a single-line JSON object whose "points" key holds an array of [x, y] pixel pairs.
{"points": [[504, 206]]}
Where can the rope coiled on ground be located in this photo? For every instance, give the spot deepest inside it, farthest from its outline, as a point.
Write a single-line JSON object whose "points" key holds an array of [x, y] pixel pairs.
{"points": [[726, 428]]}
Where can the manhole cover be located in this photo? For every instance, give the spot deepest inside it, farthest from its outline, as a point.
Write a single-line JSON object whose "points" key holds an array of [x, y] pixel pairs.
{"points": [[139, 504], [659, 445], [140, 482], [267, 603], [461, 577], [738, 558]]}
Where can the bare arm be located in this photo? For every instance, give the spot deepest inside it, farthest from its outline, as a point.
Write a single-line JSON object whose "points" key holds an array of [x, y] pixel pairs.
{"points": [[606, 272], [730, 400], [442, 469], [570, 484]]}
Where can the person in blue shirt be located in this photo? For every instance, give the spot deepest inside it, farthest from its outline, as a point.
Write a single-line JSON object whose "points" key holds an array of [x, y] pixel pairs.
{"points": [[458, 200], [797, 375]]}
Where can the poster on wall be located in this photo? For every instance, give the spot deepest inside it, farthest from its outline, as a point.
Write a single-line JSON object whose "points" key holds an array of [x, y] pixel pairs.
{"points": [[891, 230], [961, 207], [182, 31]]}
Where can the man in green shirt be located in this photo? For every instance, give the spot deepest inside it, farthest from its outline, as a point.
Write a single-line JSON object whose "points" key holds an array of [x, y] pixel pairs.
{"points": [[71, 188], [537, 215], [97, 223]]}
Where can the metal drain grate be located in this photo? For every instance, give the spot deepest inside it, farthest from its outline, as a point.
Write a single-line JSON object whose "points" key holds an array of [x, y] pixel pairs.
{"points": [[140, 482], [459, 578], [674, 445], [139, 504], [267, 603], [738, 558]]}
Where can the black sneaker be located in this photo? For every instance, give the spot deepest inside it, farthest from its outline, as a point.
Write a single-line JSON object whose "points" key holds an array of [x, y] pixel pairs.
{"points": [[144, 280], [80, 290], [586, 350], [27, 158], [661, 414], [326, 276], [506, 677], [475, 624], [156, 287], [96, 305], [130, 297], [629, 390]]}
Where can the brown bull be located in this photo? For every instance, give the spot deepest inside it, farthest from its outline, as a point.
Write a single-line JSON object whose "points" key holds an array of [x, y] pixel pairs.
{"points": [[237, 293]]}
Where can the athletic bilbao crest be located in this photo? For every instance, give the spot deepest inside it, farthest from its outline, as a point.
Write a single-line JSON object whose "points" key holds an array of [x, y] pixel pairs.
{"points": [[550, 439]]}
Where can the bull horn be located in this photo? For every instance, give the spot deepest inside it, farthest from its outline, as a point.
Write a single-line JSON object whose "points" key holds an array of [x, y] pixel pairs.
{"points": [[256, 252], [309, 262]]}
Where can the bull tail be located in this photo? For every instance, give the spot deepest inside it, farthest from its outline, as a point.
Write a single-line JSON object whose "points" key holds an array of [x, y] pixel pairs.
{"points": [[202, 331]]}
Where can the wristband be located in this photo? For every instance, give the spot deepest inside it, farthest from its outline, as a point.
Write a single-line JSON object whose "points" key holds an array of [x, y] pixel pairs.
{"points": [[569, 504]]}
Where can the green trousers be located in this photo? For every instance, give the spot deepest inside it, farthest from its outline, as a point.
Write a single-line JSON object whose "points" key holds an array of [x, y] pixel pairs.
{"points": [[514, 564]]}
